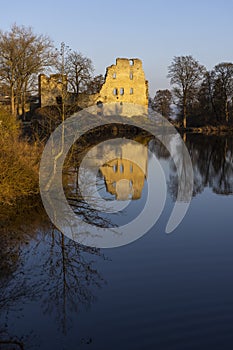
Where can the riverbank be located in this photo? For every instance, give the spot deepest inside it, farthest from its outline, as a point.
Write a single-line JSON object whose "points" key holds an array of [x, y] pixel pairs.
{"points": [[19, 162], [207, 130], [19, 159]]}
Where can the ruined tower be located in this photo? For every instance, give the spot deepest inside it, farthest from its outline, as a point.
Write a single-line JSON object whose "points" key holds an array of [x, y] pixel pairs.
{"points": [[51, 89], [125, 82]]}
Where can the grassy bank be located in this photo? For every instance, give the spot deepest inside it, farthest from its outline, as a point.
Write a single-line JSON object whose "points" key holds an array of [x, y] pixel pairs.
{"points": [[19, 162]]}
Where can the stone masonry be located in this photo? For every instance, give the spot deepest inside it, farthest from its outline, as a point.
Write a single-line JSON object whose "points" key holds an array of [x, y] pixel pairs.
{"points": [[50, 89], [124, 83]]}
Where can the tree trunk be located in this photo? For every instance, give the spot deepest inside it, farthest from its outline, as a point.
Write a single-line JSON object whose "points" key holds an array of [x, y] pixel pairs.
{"points": [[184, 137], [185, 113], [12, 100], [226, 111], [24, 93]]}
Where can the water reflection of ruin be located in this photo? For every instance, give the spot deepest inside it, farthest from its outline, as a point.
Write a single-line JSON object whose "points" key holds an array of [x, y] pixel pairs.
{"points": [[123, 178], [125, 174], [121, 163]]}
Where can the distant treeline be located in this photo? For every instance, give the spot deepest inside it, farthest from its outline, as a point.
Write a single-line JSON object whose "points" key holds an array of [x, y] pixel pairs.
{"points": [[201, 97]]}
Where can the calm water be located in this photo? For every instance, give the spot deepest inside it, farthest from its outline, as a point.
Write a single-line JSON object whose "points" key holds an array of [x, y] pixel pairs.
{"points": [[160, 292]]}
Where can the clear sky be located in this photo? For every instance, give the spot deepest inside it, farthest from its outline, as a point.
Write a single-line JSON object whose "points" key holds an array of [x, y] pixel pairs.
{"points": [[152, 30]]}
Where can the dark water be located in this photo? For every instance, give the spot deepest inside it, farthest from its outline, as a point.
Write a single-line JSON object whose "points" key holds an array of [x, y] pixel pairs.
{"points": [[160, 292]]}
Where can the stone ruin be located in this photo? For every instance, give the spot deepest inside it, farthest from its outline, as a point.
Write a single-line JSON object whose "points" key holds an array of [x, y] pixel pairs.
{"points": [[50, 89], [124, 83]]}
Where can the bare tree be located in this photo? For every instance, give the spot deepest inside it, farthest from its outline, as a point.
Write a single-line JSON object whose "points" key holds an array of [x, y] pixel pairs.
{"points": [[216, 93], [23, 54], [162, 102], [79, 71], [206, 103], [95, 84], [185, 73], [223, 73]]}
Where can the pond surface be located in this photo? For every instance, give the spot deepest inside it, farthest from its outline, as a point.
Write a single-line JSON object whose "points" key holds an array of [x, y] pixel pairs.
{"points": [[162, 291]]}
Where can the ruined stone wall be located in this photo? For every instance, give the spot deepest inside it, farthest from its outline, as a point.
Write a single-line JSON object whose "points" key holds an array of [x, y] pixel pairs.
{"points": [[50, 89], [124, 83], [86, 100]]}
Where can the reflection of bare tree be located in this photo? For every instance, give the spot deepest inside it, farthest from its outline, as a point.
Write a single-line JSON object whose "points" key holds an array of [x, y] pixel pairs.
{"points": [[44, 266], [69, 268], [19, 225], [179, 178], [212, 158], [157, 147], [10, 342]]}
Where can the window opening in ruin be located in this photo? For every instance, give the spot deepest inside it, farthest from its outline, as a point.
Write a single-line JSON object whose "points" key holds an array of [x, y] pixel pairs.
{"points": [[59, 100], [99, 104], [131, 91], [114, 75], [131, 76], [115, 91], [121, 91], [131, 62]]}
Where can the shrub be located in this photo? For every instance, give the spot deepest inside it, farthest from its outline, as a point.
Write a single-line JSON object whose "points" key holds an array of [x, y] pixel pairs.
{"points": [[19, 162]]}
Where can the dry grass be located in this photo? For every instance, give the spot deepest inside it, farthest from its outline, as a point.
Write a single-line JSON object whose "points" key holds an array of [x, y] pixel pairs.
{"points": [[19, 162]]}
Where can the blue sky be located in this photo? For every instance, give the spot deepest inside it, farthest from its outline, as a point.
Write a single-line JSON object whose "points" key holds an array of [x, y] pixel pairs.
{"points": [[153, 30]]}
